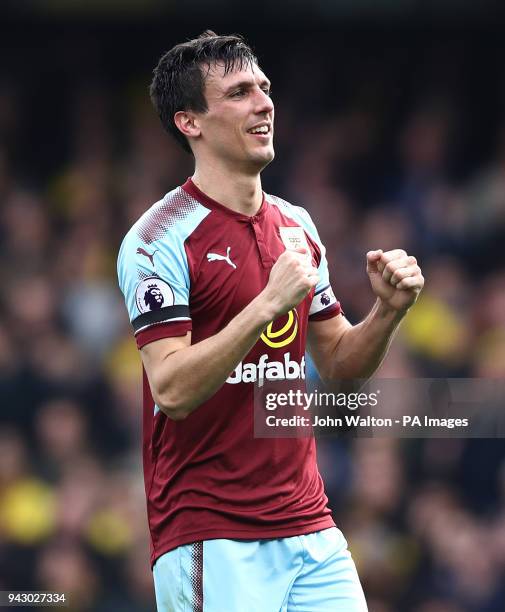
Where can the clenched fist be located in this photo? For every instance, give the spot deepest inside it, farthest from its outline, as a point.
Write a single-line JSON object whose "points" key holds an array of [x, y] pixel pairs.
{"points": [[395, 277], [291, 278]]}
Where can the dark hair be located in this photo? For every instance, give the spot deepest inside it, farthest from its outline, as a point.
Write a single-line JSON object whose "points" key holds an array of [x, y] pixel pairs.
{"points": [[179, 78]]}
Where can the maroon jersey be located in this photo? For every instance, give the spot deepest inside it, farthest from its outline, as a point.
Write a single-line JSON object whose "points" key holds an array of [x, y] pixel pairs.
{"points": [[190, 263]]}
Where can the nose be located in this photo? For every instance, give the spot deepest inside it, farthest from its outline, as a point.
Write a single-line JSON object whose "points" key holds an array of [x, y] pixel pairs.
{"points": [[264, 102]]}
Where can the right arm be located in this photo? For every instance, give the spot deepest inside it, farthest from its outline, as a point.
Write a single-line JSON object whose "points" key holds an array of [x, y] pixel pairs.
{"points": [[182, 376]]}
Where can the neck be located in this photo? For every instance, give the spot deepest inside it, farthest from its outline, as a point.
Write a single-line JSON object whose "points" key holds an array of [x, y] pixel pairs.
{"points": [[238, 191]]}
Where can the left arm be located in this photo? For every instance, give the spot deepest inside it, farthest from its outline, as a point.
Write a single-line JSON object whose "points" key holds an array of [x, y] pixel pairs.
{"points": [[343, 351]]}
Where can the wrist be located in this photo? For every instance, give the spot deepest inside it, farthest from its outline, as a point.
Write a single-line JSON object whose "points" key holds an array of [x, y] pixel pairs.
{"points": [[264, 308], [386, 311]]}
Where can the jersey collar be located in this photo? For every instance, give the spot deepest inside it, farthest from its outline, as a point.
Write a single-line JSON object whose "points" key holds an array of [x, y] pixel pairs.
{"points": [[190, 188]]}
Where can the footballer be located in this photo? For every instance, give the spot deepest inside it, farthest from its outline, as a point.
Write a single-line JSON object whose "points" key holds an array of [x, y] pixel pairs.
{"points": [[220, 280]]}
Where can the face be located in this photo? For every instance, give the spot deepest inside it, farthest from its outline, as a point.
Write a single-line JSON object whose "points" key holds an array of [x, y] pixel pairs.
{"points": [[238, 126]]}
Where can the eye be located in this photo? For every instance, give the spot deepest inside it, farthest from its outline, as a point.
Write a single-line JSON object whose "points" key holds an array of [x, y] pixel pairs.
{"points": [[267, 91], [239, 93]]}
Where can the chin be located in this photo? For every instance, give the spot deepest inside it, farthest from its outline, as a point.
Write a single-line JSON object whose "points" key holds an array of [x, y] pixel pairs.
{"points": [[265, 157]]}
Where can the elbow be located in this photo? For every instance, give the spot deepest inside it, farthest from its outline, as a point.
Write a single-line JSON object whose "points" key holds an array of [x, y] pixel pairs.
{"points": [[172, 407], [324, 378], [338, 379], [328, 372], [168, 398]]}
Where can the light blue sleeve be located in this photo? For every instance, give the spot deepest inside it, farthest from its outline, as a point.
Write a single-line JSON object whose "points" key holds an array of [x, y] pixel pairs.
{"points": [[153, 269], [154, 279]]}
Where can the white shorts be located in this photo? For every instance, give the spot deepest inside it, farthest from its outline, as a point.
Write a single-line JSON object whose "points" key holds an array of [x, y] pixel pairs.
{"points": [[308, 573]]}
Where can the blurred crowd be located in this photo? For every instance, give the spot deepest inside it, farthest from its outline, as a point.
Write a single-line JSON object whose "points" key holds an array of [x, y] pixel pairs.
{"points": [[424, 518]]}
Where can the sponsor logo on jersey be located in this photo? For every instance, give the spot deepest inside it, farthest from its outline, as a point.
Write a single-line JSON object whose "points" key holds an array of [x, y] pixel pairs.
{"points": [[218, 257], [286, 333], [152, 294], [287, 369], [150, 256]]}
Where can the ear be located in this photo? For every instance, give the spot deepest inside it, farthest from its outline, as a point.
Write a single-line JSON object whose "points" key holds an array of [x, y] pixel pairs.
{"points": [[188, 123]]}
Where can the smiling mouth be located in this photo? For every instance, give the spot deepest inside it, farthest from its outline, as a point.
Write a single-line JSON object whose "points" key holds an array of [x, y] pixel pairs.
{"points": [[264, 130]]}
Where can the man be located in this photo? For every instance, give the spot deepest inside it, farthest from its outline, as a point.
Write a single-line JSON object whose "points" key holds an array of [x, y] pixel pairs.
{"points": [[239, 524]]}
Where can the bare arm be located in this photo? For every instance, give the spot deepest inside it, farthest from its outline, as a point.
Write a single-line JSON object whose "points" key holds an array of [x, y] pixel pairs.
{"points": [[342, 351], [182, 376]]}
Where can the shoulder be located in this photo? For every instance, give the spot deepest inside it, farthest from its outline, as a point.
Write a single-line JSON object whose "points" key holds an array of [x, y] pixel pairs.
{"points": [[155, 242], [168, 221], [297, 213], [176, 214]]}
